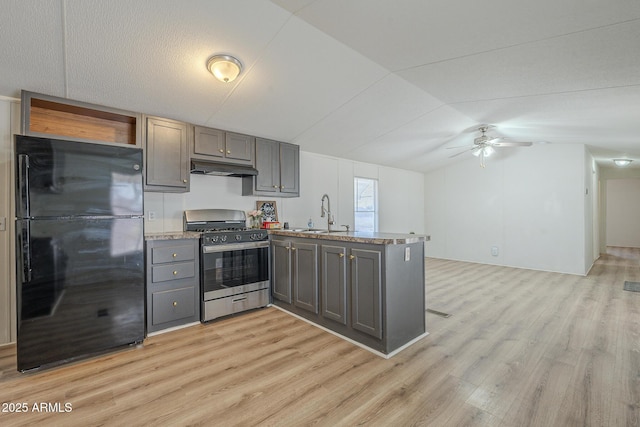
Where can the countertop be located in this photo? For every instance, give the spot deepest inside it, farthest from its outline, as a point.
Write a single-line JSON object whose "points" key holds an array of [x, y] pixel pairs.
{"points": [[356, 236], [173, 235]]}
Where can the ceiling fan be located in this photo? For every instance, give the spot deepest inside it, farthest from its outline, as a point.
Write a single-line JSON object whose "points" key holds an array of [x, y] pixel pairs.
{"points": [[484, 145]]}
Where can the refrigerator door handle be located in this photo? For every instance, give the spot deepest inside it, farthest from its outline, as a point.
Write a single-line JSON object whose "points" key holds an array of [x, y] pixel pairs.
{"points": [[25, 253], [23, 208]]}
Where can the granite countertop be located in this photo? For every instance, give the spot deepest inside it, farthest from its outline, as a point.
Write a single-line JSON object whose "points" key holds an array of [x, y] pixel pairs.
{"points": [[356, 236], [172, 235]]}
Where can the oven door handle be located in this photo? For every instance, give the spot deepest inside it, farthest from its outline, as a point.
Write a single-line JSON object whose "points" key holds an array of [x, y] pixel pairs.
{"points": [[207, 249]]}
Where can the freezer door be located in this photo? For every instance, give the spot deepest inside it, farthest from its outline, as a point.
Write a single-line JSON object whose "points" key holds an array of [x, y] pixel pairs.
{"points": [[80, 287], [63, 178]]}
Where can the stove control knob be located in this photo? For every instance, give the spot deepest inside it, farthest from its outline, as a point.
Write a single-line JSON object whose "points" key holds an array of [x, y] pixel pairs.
{"points": [[238, 237], [214, 239], [223, 238]]}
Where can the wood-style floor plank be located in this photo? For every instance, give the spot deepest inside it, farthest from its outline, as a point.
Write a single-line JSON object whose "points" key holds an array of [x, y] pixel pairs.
{"points": [[521, 347]]}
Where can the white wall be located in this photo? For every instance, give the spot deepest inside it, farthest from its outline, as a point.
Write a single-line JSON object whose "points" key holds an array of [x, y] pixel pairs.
{"points": [[623, 212], [401, 196], [527, 202]]}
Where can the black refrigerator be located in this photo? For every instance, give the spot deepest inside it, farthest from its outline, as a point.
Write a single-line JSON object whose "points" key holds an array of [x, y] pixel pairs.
{"points": [[79, 249]]}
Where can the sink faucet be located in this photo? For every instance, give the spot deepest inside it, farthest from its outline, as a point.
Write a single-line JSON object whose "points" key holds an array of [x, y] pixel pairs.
{"points": [[327, 211]]}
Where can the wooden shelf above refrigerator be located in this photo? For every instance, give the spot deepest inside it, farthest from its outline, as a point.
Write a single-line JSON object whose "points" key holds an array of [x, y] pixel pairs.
{"points": [[49, 116]]}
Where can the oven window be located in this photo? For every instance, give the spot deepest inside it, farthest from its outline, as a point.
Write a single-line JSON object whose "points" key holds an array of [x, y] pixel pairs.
{"points": [[234, 268]]}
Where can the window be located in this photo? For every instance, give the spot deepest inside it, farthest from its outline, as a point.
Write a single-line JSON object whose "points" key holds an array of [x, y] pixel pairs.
{"points": [[365, 204]]}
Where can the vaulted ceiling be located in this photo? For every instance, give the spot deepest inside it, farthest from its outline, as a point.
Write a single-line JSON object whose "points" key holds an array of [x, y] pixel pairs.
{"points": [[391, 82]]}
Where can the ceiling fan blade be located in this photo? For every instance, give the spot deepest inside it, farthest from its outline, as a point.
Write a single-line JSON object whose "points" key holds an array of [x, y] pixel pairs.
{"points": [[462, 152], [512, 144], [460, 146]]}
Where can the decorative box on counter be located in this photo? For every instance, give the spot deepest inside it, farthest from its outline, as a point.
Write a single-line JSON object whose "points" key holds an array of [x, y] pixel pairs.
{"points": [[269, 225]]}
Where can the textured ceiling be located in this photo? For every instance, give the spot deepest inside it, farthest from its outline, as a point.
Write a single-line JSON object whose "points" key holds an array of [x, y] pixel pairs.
{"points": [[392, 82]]}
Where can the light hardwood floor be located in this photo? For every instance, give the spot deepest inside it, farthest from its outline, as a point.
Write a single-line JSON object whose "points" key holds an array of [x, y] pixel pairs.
{"points": [[521, 348]]}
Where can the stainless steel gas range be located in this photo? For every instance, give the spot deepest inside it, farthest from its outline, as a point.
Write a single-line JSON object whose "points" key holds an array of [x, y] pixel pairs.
{"points": [[234, 262]]}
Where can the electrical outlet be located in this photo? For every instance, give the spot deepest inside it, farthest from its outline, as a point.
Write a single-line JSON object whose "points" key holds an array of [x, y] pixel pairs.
{"points": [[494, 250], [151, 215]]}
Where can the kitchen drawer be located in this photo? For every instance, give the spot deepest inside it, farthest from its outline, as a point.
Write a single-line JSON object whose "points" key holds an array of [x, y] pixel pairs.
{"points": [[173, 253], [173, 271], [171, 305], [235, 304]]}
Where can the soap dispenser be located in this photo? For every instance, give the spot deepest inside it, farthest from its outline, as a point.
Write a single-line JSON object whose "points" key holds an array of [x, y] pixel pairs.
{"points": [[310, 223]]}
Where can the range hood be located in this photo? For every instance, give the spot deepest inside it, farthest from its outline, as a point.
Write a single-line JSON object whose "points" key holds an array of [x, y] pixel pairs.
{"points": [[205, 167]]}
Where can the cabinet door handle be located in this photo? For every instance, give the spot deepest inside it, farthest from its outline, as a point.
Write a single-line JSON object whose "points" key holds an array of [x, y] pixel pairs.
{"points": [[221, 150], [293, 249], [175, 272], [228, 151], [175, 255], [184, 181], [341, 255], [282, 187], [351, 257], [175, 303], [275, 186]]}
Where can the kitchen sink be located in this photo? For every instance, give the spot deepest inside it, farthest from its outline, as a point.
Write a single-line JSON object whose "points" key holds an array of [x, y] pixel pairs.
{"points": [[313, 230]]}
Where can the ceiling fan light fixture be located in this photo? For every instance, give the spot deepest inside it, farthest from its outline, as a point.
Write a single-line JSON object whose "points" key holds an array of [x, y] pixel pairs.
{"points": [[621, 163], [224, 67], [488, 150]]}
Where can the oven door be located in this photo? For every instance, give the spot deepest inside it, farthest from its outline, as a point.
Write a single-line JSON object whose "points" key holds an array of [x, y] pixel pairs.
{"points": [[234, 268]]}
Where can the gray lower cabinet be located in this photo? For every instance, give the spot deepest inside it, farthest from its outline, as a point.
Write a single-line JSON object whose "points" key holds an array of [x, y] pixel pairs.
{"points": [[295, 273], [371, 293], [281, 274], [173, 283], [305, 275], [278, 165], [366, 291], [334, 283], [221, 146], [166, 154]]}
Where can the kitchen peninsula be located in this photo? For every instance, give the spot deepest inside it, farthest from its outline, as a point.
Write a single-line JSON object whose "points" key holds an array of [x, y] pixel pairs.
{"points": [[366, 287]]}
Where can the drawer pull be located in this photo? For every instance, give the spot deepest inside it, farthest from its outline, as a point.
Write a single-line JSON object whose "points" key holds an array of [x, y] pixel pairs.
{"points": [[175, 255], [175, 272], [351, 256], [239, 299], [175, 303]]}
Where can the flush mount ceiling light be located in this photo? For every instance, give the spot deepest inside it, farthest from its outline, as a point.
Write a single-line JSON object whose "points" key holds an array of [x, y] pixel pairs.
{"points": [[224, 67], [622, 162]]}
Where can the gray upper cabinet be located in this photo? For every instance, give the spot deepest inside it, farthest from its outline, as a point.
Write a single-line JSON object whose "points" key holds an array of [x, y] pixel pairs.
{"points": [[289, 169], [278, 165], [222, 146], [167, 155]]}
